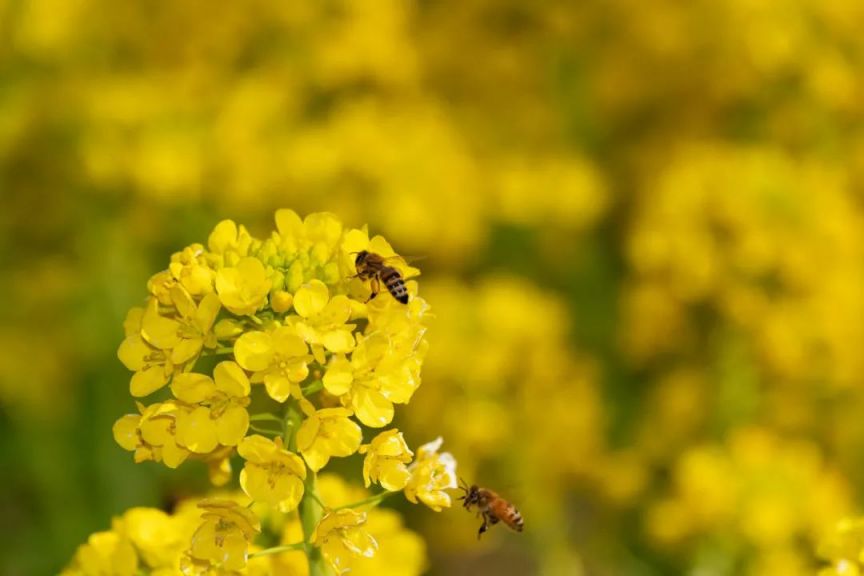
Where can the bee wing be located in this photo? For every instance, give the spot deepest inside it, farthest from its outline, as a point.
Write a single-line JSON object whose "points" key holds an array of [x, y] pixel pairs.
{"points": [[403, 263]]}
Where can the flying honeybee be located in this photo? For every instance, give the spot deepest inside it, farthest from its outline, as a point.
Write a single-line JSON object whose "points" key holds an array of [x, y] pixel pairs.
{"points": [[492, 507], [371, 266]]}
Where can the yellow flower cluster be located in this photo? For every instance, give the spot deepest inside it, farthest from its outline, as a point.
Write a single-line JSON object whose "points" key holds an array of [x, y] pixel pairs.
{"points": [[844, 549], [202, 535], [142, 540], [760, 492], [282, 337], [748, 256]]}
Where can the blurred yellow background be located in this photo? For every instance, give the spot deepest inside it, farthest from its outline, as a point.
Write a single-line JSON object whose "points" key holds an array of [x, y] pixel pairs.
{"points": [[643, 241]]}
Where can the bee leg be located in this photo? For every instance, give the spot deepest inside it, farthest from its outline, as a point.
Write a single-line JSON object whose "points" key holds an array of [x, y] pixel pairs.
{"points": [[376, 288], [483, 527]]}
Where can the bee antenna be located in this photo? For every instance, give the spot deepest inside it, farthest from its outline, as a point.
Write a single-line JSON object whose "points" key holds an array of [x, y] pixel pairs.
{"points": [[464, 485]]}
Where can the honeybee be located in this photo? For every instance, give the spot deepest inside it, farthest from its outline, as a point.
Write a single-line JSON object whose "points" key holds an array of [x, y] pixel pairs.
{"points": [[371, 266], [492, 507]]}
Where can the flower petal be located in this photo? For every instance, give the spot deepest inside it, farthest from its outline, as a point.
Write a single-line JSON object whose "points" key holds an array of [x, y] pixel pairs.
{"points": [[254, 351], [192, 388], [371, 408], [311, 298], [231, 379], [147, 381], [231, 427]]}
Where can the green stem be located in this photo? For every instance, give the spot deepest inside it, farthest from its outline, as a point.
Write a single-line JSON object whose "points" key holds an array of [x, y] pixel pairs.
{"points": [[290, 424], [265, 416], [268, 431], [310, 509], [310, 514], [279, 549], [255, 319], [315, 497], [313, 387], [371, 501]]}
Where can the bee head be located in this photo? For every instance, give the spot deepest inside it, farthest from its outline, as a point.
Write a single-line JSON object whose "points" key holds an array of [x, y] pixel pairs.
{"points": [[361, 257], [472, 493]]}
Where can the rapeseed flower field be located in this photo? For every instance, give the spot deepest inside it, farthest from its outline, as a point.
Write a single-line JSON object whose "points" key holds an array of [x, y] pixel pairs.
{"points": [[629, 236]]}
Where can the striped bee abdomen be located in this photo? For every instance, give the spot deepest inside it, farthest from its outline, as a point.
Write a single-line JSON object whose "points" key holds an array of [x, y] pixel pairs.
{"points": [[394, 283]]}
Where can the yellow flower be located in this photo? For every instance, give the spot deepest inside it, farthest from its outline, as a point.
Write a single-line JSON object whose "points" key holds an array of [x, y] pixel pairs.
{"points": [[431, 475], [386, 457], [271, 474], [341, 535], [158, 343], [185, 335], [314, 239], [229, 241], [191, 270], [323, 318], [223, 539], [105, 554], [277, 357], [194, 326], [243, 288], [219, 466], [152, 367], [844, 549], [401, 552], [160, 284], [152, 435], [158, 537], [326, 433], [379, 374], [217, 413]]}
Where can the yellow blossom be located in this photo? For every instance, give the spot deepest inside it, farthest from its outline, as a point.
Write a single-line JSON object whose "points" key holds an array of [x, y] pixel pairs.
{"points": [[271, 474], [315, 237], [105, 554], [386, 459], [243, 288], [160, 284], [401, 552], [843, 547], [341, 535], [326, 433], [281, 301], [223, 538], [323, 319], [219, 466], [382, 371], [163, 342], [192, 271], [152, 367], [277, 357], [217, 413], [152, 435], [193, 325], [230, 241], [158, 537], [431, 475]]}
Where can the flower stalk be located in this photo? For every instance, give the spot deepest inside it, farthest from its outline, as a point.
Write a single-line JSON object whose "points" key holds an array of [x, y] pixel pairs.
{"points": [[310, 514]]}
